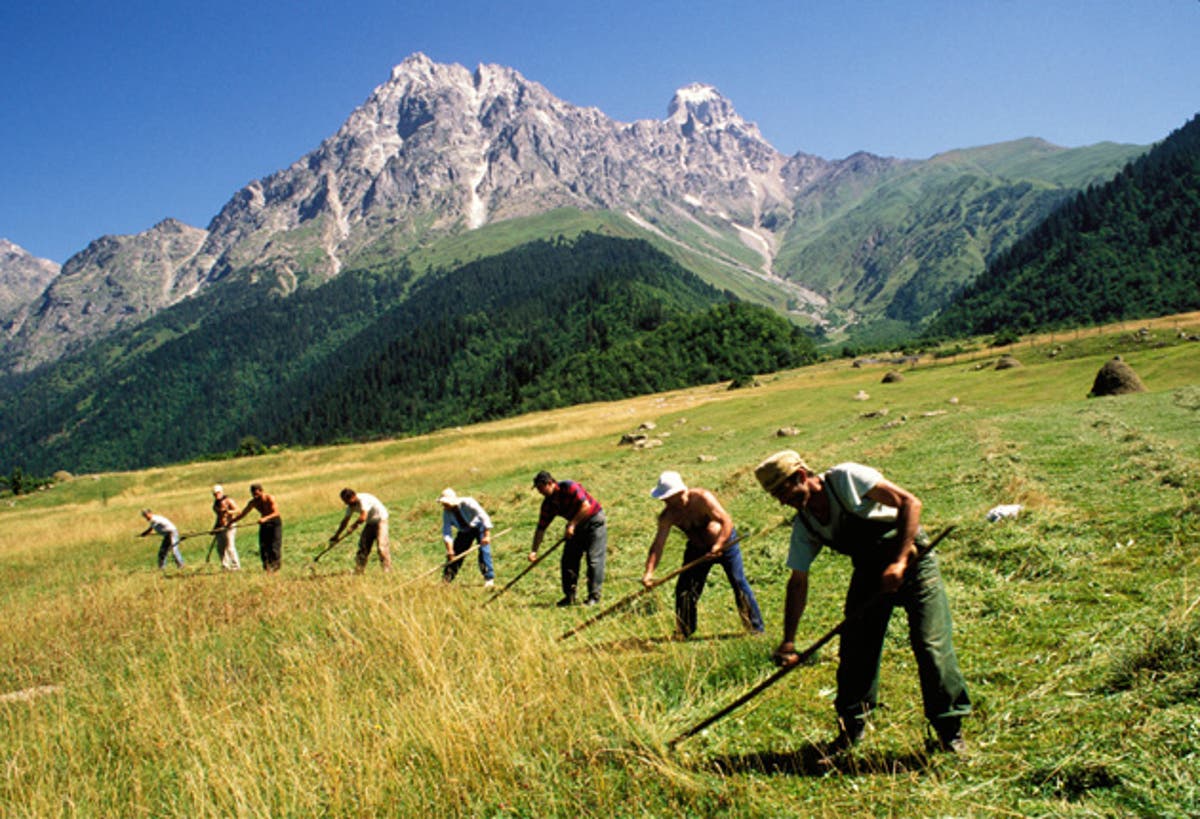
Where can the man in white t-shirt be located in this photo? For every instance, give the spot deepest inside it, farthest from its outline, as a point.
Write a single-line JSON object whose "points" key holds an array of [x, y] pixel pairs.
{"points": [[372, 516], [170, 538], [854, 510]]}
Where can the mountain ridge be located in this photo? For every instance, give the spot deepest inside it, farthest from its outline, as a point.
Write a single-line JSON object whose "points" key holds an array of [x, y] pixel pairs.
{"points": [[439, 150]]}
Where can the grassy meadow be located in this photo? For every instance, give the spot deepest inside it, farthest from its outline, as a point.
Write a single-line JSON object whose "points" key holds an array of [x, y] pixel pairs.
{"points": [[126, 691]]}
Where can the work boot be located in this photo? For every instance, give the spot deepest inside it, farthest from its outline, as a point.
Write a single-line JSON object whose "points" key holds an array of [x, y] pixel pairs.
{"points": [[849, 733], [949, 739], [594, 600], [566, 601]]}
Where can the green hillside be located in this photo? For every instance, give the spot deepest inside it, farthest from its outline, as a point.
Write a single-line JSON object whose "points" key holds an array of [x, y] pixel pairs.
{"points": [[125, 691], [383, 352], [900, 249], [1125, 249]]}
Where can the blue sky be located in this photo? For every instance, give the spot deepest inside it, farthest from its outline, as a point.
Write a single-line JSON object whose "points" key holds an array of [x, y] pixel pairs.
{"points": [[118, 115]]}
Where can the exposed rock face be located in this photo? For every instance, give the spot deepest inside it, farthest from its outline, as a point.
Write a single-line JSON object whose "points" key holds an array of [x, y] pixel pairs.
{"points": [[116, 280], [457, 149], [439, 149], [23, 277]]}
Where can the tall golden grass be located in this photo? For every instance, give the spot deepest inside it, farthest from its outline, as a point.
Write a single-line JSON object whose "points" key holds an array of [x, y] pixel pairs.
{"points": [[129, 691]]}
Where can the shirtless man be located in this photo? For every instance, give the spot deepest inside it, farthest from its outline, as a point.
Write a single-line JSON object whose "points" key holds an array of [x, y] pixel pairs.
{"points": [[710, 531], [270, 527]]}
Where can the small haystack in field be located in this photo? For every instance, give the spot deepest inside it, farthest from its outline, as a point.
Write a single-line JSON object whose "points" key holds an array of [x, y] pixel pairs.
{"points": [[1007, 362], [1116, 378], [892, 377]]}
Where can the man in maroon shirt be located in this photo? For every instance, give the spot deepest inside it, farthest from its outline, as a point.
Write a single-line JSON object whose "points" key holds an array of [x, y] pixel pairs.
{"points": [[585, 534]]}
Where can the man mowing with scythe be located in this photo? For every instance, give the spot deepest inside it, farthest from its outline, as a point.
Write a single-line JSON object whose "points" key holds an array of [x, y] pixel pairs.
{"points": [[585, 535], [369, 513], [270, 526], [710, 533], [474, 526], [854, 510]]}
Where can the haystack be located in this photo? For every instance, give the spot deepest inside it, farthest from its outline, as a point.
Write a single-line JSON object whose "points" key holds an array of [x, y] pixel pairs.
{"points": [[892, 377], [1116, 378], [1007, 362]]}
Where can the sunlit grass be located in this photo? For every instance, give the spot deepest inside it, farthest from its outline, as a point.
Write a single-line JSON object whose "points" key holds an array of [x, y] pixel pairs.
{"points": [[129, 691]]}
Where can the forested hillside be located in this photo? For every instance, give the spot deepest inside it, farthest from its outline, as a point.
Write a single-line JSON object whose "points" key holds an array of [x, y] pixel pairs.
{"points": [[371, 354], [1126, 249]]}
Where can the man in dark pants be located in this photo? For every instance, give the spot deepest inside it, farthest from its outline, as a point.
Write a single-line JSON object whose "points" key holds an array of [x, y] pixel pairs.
{"points": [[270, 527], [854, 510], [710, 532], [585, 534]]}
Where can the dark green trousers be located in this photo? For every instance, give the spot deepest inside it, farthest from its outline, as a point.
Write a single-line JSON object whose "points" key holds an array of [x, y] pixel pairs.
{"points": [[923, 598]]}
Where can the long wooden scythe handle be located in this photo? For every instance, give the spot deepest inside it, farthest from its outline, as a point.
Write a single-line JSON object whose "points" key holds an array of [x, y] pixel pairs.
{"points": [[802, 657]]}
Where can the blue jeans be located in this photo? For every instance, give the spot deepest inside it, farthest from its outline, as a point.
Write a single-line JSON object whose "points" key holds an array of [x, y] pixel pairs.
{"points": [[462, 542], [690, 586], [170, 545]]}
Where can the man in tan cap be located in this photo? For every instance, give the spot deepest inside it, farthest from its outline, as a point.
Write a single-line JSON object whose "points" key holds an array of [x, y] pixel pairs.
{"points": [[710, 532], [474, 525], [854, 510], [226, 532]]}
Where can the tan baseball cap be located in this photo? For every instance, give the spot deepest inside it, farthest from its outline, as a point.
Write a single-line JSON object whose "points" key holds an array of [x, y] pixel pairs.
{"points": [[778, 468]]}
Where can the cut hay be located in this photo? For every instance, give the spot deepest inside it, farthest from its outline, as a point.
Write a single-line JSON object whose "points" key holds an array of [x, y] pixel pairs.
{"points": [[28, 694], [1116, 378], [1007, 362]]}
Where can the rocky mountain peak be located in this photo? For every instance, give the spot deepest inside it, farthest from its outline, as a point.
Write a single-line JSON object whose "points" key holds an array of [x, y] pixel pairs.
{"points": [[23, 276], [701, 107]]}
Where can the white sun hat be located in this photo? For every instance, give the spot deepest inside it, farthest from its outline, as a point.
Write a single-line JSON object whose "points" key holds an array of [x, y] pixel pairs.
{"points": [[669, 483], [449, 497]]}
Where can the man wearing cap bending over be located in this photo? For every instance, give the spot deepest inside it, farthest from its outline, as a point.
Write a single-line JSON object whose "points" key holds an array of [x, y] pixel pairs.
{"points": [[854, 510], [369, 513], [473, 526], [710, 534], [585, 534], [225, 532]]}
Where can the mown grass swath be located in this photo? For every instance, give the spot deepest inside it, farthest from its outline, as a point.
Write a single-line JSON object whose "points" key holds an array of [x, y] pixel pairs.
{"points": [[127, 691]]}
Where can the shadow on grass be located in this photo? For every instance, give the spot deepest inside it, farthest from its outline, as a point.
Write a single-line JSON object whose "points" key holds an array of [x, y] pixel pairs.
{"points": [[812, 760]]}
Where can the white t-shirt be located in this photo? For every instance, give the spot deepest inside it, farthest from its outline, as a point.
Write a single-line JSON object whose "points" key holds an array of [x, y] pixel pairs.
{"points": [[163, 526], [851, 482], [370, 504]]}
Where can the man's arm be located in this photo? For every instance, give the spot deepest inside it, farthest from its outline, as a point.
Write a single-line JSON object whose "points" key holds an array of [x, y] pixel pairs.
{"points": [[342, 525], [538, 534], [585, 512], [908, 520], [656, 548], [717, 512], [795, 601]]}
